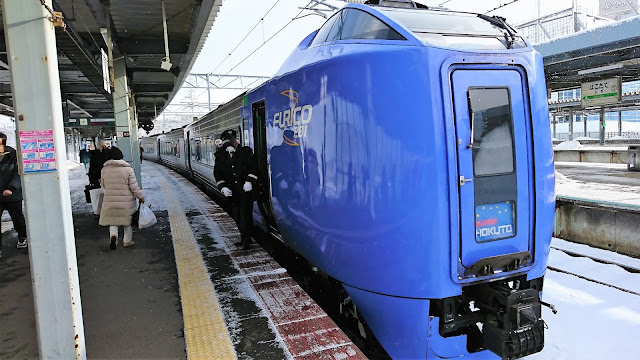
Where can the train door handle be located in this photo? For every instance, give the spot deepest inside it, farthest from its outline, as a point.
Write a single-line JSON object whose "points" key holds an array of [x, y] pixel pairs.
{"points": [[464, 181], [270, 182]]}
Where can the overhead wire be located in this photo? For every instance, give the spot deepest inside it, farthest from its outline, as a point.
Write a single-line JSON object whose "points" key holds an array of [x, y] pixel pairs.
{"points": [[261, 21], [265, 42], [500, 7]]}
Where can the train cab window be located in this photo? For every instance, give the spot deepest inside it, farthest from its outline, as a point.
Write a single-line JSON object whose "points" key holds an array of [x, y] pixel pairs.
{"points": [[361, 25], [321, 36], [455, 29], [492, 131], [351, 24]]}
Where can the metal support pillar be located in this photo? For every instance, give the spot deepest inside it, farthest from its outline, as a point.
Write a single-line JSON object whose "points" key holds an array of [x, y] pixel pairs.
{"points": [[555, 121], [585, 118], [620, 123], [135, 144], [602, 126], [570, 124], [125, 118], [209, 91], [35, 83]]}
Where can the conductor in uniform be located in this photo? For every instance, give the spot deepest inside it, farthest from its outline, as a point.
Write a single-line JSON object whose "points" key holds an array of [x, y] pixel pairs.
{"points": [[235, 173]]}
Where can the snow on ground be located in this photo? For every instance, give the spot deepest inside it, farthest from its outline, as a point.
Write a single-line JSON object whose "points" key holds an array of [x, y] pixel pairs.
{"points": [[568, 145], [593, 321], [597, 253], [606, 193]]}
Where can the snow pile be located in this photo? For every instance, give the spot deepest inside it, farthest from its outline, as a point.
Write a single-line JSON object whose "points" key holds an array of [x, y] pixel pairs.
{"points": [[568, 145], [73, 164], [561, 178]]}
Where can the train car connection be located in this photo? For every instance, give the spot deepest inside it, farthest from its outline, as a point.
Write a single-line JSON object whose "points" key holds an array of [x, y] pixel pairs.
{"points": [[406, 153]]}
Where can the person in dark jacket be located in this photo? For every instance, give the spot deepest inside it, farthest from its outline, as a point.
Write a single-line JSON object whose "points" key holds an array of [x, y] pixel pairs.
{"points": [[235, 170], [11, 189], [85, 158], [98, 158]]}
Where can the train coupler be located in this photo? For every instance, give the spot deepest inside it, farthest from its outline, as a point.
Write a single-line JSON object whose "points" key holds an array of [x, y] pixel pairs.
{"points": [[516, 329]]}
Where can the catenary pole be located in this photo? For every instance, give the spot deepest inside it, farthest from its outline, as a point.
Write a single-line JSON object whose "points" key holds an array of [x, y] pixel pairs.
{"points": [[35, 84]]}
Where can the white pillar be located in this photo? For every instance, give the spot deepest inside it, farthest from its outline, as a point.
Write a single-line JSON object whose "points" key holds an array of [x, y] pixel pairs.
{"points": [[125, 118], [570, 124], [35, 83]]}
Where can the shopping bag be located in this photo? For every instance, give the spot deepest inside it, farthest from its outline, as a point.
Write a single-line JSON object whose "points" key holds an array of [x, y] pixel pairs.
{"points": [[87, 193], [146, 218], [135, 218], [97, 195]]}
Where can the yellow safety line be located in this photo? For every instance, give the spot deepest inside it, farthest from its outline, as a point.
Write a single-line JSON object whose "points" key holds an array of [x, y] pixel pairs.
{"points": [[206, 335]]}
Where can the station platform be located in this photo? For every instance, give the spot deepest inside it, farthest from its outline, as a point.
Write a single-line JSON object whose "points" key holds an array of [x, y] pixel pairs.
{"points": [[609, 184], [182, 291]]}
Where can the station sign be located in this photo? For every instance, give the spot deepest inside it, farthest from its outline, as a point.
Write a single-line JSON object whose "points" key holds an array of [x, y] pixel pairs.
{"points": [[618, 9], [602, 92]]}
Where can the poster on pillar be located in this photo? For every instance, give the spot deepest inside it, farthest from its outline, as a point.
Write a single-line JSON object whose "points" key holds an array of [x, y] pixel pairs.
{"points": [[38, 151]]}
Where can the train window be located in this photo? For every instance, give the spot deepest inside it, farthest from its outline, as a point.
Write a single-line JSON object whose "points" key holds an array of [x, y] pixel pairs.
{"points": [[196, 150], [358, 24], [453, 29], [321, 36], [491, 121], [336, 30]]}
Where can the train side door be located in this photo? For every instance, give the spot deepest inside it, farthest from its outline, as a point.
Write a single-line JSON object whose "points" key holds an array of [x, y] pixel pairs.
{"points": [[495, 182], [187, 151], [258, 112]]}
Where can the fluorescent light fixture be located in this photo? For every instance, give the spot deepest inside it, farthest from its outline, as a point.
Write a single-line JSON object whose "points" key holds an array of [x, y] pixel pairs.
{"points": [[601, 69]]}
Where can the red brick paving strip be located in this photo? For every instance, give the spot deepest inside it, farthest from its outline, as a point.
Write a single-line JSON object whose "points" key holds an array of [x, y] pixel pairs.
{"points": [[307, 330]]}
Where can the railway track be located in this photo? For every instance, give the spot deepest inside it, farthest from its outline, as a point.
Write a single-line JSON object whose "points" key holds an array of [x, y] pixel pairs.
{"points": [[626, 267]]}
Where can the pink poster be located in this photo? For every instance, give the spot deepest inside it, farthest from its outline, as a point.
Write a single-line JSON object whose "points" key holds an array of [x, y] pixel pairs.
{"points": [[38, 151]]}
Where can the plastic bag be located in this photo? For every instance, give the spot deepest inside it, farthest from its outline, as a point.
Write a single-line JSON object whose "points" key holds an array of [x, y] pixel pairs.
{"points": [[97, 195], [147, 217]]}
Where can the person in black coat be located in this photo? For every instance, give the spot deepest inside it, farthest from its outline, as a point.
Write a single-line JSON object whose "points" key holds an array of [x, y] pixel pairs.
{"points": [[11, 191], [98, 158], [235, 173]]}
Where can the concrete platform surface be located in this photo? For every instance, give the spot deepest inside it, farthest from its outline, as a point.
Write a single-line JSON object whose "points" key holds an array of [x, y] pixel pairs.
{"points": [[182, 291]]}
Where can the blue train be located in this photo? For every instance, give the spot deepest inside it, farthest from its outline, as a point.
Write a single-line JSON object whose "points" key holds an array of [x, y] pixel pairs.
{"points": [[406, 153]]}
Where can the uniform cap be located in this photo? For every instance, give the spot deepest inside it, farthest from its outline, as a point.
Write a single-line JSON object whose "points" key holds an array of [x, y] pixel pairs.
{"points": [[228, 134]]}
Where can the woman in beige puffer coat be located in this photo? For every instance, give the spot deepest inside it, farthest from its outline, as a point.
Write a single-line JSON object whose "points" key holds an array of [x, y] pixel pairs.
{"points": [[120, 193]]}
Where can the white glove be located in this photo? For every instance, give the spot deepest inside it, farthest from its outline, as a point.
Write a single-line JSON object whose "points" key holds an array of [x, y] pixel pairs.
{"points": [[247, 186], [226, 191], [284, 185], [230, 149]]}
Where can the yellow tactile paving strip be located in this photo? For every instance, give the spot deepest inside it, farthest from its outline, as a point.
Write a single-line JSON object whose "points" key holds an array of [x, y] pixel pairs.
{"points": [[206, 334]]}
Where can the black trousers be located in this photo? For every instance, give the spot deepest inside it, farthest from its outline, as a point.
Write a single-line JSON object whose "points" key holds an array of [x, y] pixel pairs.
{"points": [[15, 211], [241, 212]]}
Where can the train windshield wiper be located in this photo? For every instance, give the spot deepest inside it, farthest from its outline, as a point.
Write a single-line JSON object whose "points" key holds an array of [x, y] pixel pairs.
{"points": [[509, 34]]}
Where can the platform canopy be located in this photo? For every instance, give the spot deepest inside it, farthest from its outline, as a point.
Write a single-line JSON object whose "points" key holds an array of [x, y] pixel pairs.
{"points": [[603, 52], [138, 36]]}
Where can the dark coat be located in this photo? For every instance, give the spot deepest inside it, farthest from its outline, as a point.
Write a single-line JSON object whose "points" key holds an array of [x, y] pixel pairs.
{"points": [[9, 176], [98, 158], [232, 172]]}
